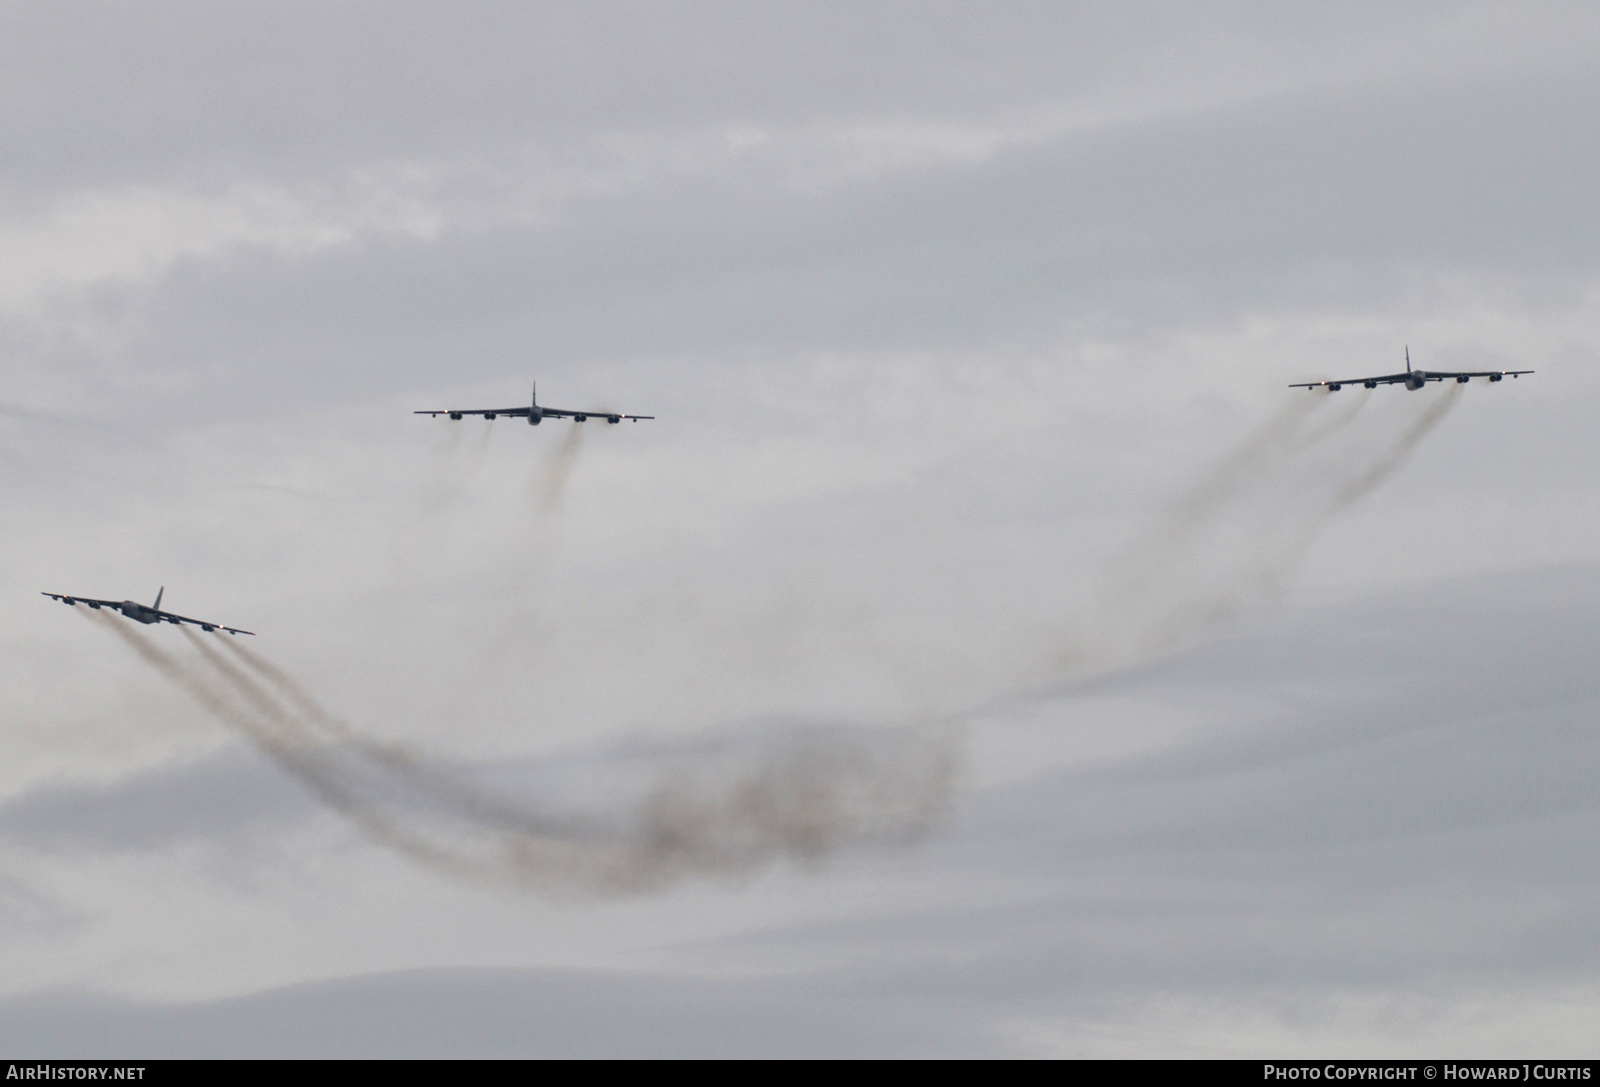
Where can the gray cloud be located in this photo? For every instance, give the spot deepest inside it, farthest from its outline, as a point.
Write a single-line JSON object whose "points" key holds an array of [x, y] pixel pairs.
{"points": [[1340, 200], [934, 306], [215, 801], [1411, 815], [1409, 822], [493, 1013], [177, 89], [720, 805]]}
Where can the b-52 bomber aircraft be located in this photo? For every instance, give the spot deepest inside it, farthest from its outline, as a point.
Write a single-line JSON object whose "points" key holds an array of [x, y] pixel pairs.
{"points": [[535, 412], [1411, 379], [141, 613]]}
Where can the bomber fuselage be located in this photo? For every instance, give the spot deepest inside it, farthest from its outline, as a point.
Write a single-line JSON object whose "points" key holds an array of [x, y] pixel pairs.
{"points": [[140, 613]]}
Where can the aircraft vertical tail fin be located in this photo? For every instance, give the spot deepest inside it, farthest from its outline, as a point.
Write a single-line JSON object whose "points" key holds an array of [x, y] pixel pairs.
{"points": [[1408, 358], [157, 604], [535, 401]]}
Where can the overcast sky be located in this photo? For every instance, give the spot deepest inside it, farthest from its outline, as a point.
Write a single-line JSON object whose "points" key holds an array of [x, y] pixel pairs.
{"points": [[982, 652]]}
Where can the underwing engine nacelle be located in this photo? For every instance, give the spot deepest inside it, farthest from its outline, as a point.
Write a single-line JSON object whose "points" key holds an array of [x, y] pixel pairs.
{"points": [[534, 413], [1409, 378], [145, 613]]}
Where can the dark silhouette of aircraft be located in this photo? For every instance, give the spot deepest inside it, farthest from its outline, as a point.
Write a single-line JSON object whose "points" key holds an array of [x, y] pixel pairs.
{"points": [[1411, 379], [535, 412], [141, 613]]}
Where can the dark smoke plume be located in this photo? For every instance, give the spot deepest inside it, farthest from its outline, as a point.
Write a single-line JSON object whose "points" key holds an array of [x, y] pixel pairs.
{"points": [[1234, 535], [733, 802], [549, 486], [519, 623], [723, 805], [1393, 457], [457, 461]]}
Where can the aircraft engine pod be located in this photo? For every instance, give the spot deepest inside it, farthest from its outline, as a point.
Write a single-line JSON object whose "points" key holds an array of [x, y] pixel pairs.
{"points": [[534, 413], [141, 613], [1411, 379]]}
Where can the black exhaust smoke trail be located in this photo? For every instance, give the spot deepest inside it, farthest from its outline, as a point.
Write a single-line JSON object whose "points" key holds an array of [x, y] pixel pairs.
{"points": [[267, 710], [546, 495], [441, 487], [394, 757], [1285, 434], [457, 463], [550, 482], [1341, 419], [278, 735], [1166, 585], [185, 678], [478, 449], [1390, 459], [1367, 481], [1282, 430], [408, 764], [307, 706], [1147, 600], [720, 806], [282, 749]]}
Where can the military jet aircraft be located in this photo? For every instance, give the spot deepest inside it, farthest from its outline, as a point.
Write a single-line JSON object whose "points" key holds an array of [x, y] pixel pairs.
{"points": [[535, 412], [141, 613], [1411, 379]]}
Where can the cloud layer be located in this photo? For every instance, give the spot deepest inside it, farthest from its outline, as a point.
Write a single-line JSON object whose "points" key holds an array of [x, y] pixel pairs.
{"points": [[967, 336]]}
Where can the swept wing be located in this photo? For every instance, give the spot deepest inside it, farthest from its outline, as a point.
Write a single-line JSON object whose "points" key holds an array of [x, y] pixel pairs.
{"points": [[1411, 379], [524, 412], [1414, 378], [144, 614], [534, 411]]}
